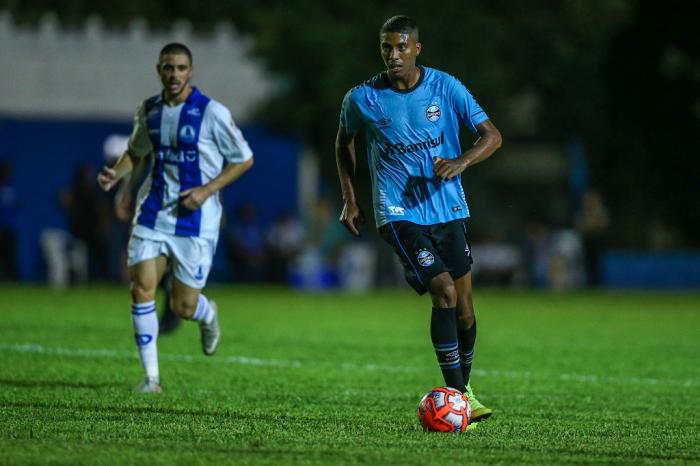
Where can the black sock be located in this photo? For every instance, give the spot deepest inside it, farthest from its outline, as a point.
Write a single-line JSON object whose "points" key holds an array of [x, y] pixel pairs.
{"points": [[443, 332], [466, 338]]}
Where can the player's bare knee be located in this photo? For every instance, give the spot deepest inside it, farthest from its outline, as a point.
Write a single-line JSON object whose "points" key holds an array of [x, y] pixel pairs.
{"points": [[183, 307], [465, 318], [142, 293], [465, 311], [443, 291]]}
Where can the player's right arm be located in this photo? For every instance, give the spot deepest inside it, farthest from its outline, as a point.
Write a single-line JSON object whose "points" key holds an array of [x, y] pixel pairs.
{"points": [[350, 123], [139, 146], [109, 177], [351, 216]]}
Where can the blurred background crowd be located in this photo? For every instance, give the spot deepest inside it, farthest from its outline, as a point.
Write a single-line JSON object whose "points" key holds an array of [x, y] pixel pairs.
{"points": [[599, 104]]}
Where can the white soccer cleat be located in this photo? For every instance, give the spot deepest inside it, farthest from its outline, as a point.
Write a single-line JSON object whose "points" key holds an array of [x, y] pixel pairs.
{"points": [[150, 385], [211, 333]]}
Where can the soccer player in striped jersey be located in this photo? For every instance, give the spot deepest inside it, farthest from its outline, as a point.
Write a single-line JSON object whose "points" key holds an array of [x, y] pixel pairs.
{"points": [[197, 150], [411, 116], [124, 211]]}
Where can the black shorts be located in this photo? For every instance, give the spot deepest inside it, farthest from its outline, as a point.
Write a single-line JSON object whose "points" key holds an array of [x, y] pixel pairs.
{"points": [[429, 250]]}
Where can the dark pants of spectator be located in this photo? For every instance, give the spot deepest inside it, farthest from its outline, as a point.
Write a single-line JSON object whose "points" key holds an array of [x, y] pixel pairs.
{"points": [[8, 260]]}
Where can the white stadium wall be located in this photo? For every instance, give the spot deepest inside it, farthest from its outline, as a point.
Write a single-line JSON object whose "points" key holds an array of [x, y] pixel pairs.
{"points": [[49, 71]]}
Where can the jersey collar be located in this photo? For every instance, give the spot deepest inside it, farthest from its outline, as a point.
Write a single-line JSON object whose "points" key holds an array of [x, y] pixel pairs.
{"points": [[194, 95], [410, 89]]}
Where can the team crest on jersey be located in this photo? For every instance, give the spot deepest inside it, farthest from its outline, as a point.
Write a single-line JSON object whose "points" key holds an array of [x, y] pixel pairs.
{"points": [[433, 113], [425, 258], [188, 134]]}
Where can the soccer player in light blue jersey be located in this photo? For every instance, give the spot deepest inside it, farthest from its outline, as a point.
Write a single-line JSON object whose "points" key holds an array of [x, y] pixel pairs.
{"points": [[197, 150], [411, 116]]}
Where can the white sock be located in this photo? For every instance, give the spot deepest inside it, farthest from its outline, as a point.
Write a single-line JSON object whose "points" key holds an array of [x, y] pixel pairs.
{"points": [[204, 312], [145, 321]]}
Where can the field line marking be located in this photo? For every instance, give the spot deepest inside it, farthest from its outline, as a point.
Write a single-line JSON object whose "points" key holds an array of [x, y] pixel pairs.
{"points": [[92, 353]]}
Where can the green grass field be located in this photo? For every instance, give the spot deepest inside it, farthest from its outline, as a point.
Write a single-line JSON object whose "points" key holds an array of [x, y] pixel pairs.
{"points": [[587, 378]]}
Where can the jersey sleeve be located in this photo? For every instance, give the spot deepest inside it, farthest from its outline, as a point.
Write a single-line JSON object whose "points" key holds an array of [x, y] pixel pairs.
{"points": [[350, 118], [139, 143], [228, 138], [470, 112]]}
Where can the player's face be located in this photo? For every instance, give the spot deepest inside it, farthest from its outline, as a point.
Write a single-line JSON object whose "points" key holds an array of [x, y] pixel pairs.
{"points": [[399, 52], [175, 71]]}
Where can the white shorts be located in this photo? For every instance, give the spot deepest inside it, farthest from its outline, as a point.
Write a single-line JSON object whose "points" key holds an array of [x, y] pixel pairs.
{"points": [[191, 256]]}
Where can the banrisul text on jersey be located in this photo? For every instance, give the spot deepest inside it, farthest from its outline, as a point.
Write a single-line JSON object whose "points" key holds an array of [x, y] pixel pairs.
{"points": [[401, 148]]}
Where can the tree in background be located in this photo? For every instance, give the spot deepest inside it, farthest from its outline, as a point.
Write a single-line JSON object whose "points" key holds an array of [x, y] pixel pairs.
{"points": [[622, 75]]}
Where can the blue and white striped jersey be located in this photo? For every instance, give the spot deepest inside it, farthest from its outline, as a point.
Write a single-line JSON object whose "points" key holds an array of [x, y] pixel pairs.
{"points": [[190, 143]]}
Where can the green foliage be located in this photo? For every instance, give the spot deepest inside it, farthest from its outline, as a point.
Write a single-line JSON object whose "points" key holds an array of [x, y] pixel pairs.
{"points": [[322, 49], [499, 49], [595, 378], [623, 75]]}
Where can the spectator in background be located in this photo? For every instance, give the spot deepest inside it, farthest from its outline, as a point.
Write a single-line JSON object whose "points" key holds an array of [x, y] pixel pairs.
{"points": [[661, 236], [536, 252], [8, 223], [89, 219], [498, 262], [317, 264], [592, 221], [325, 233], [285, 241], [245, 239]]}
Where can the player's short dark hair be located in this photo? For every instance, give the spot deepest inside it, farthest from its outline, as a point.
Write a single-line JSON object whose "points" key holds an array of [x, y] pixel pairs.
{"points": [[401, 24], [176, 48]]}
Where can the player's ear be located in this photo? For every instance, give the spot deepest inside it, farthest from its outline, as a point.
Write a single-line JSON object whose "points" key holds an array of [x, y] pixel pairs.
{"points": [[418, 48]]}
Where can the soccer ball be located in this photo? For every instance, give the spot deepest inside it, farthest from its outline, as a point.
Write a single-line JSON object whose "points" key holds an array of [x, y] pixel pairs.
{"points": [[444, 409]]}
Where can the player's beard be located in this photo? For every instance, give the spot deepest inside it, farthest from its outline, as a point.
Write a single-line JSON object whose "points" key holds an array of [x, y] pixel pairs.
{"points": [[176, 92]]}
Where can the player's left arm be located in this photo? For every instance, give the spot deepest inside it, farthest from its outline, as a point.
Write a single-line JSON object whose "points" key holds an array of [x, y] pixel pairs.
{"points": [[233, 148], [489, 141], [194, 198]]}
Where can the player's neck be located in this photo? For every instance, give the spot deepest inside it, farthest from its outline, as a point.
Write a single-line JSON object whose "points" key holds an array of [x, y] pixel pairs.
{"points": [[403, 83], [174, 100]]}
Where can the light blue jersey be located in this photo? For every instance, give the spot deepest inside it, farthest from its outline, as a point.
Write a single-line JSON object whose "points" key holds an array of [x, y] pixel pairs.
{"points": [[404, 131]]}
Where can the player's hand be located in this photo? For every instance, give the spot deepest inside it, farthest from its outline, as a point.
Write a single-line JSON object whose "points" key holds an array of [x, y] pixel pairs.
{"points": [[352, 217], [446, 169], [107, 178], [194, 198]]}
